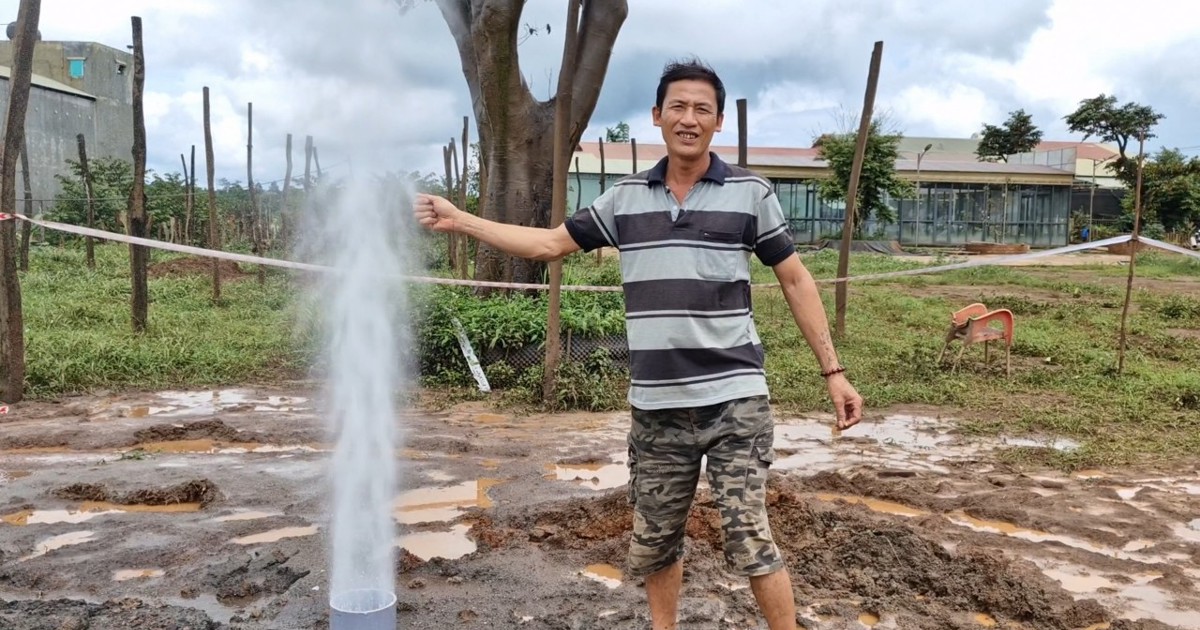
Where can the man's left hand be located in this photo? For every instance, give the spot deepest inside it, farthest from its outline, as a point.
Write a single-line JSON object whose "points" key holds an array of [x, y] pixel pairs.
{"points": [[847, 404]]}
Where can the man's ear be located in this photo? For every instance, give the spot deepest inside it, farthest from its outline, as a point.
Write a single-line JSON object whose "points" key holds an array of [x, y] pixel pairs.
{"points": [[656, 116]]}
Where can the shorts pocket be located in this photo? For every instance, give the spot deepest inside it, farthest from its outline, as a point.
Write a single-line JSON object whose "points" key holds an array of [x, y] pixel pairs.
{"points": [[633, 472]]}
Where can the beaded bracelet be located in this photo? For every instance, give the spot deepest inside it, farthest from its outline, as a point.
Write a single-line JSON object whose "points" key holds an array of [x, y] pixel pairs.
{"points": [[837, 370]]}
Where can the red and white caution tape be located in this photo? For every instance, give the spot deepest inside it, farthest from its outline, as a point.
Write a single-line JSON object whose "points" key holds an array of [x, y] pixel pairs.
{"points": [[287, 264]]}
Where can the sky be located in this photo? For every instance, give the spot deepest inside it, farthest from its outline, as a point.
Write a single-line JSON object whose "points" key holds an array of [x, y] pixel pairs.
{"points": [[382, 89]]}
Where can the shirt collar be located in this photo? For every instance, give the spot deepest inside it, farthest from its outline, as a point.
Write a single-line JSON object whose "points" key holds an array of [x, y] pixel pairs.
{"points": [[717, 171]]}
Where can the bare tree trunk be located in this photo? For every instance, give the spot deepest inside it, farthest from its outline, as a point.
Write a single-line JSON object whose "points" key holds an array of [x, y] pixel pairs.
{"points": [[214, 227], [1134, 245], [285, 225], [317, 162], [25, 225], [138, 254], [187, 200], [515, 130], [89, 242], [12, 323], [563, 147], [191, 197], [308, 156], [256, 224]]}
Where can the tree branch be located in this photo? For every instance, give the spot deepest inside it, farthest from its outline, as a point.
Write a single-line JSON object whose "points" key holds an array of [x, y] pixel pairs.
{"points": [[598, 29]]}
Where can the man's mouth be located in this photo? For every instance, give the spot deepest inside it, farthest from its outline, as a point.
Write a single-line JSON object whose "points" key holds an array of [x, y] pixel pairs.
{"points": [[687, 136]]}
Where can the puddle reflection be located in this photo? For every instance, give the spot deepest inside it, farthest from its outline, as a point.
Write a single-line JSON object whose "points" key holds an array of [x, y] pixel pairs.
{"points": [[126, 575], [596, 476], [434, 505], [58, 542], [89, 510], [174, 404], [275, 535], [450, 545], [605, 574]]}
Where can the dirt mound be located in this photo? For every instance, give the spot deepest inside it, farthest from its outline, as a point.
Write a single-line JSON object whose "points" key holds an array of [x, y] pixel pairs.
{"points": [[194, 266], [215, 429], [836, 553], [246, 578], [200, 491], [111, 615]]}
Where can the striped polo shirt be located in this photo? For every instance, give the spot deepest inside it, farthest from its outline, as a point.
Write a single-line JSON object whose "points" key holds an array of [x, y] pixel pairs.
{"points": [[686, 275]]}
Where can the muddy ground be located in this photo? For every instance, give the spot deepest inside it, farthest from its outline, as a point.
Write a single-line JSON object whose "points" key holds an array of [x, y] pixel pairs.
{"points": [[208, 510]]}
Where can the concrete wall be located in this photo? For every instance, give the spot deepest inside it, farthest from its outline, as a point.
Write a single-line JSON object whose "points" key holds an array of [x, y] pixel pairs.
{"points": [[55, 118], [52, 121]]}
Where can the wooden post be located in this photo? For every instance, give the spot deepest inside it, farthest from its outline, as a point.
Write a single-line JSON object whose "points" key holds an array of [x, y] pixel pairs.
{"points": [[308, 156], [558, 194], [600, 250], [138, 255], [191, 198], [256, 223], [284, 213], [578, 186], [464, 242], [743, 146], [633, 152], [26, 226], [187, 200], [1133, 249], [214, 226], [12, 326], [860, 149], [317, 162], [451, 241], [91, 202]]}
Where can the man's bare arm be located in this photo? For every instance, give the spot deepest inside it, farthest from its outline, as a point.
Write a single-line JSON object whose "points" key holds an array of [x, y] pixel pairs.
{"points": [[545, 244], [804, 301]]}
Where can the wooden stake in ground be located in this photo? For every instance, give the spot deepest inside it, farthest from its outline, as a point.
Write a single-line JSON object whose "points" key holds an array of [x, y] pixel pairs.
{"points": [[558, 194], [633, 153], [463, 244], [308, 156], [285, 225], [600, 144], [743, 147], [451, 242], [214, 226], [12, 323], [1133, 249], [139, 255], [860, 150], [317, 162], [26, 226], [89, 243], [256, 224]]}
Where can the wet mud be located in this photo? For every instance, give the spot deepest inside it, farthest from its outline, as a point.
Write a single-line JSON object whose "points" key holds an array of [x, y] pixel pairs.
{"points": [[210, 510]]}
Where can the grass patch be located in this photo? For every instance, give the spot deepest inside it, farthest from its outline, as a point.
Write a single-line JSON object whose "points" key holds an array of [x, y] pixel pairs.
{"points": [[1064, 358]]}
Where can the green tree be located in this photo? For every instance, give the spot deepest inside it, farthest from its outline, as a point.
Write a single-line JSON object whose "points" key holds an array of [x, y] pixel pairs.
{"points": [[1102, 118], [1170, 191], [112, 181], [620, 133], [878, 180], [1018, 134]]}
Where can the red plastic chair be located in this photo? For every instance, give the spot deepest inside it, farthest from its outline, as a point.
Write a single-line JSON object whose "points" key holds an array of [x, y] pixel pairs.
{"points": [[976, 323]]}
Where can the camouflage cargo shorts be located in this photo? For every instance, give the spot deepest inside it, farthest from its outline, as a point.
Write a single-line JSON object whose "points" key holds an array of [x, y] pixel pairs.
{"points": [[665, 448]]}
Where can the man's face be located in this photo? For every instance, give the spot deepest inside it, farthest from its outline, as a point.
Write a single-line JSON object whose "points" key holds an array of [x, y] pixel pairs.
{"points": [[688, 118]]}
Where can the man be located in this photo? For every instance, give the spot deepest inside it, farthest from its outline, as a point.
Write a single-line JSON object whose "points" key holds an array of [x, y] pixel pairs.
{"points": [[685, 230]]}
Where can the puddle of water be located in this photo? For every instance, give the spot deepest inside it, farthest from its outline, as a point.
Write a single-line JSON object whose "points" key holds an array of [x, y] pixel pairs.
{"points": [[1078, 582], [594, 476], [1056, 443], [210, 446], [869, 620], [886, 507], [12, 475], [985, 620], [275, 535], [605, 574], [434, 505], [89, 510], [58, 542], [1188, 531], [125, 575], [245, 516], [176, 403], [1032, 535], [450, 545]]}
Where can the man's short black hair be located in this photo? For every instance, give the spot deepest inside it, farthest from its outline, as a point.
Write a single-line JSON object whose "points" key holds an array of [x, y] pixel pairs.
{"points": [[690, 70]]}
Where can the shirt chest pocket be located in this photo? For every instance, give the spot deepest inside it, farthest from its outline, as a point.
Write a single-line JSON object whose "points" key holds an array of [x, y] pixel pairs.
{"points": [[720, 254]]}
